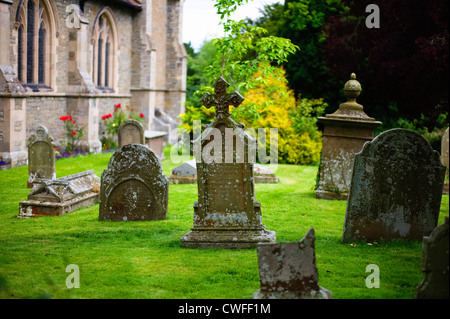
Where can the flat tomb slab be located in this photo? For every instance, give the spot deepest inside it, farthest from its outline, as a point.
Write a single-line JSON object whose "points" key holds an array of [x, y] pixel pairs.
{"points": [[56, 197]]}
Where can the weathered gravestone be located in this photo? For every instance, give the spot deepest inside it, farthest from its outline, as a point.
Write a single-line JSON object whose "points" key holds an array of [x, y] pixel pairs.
{"points": [[133, 186], [435, 264], [226, 214], [41, 156], [186, 173], [56, 197], [131, 132], [445, 159], [288, 270], [345, 132], [396, 188]]}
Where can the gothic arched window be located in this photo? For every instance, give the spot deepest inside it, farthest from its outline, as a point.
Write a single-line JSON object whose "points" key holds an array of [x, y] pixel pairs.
{"points": [[104, 48], [35, 26]]}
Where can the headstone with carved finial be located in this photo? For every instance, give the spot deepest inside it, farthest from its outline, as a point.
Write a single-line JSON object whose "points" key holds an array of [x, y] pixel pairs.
{"points": [[226, 214], [345, 132]]}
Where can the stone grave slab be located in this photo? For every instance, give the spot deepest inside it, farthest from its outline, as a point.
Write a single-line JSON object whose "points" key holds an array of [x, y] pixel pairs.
{"points": [[288, 270], [435, 264], [396, 189], [155, 141], [133, 186], [226, 214], [56, 197], [41, 156]]}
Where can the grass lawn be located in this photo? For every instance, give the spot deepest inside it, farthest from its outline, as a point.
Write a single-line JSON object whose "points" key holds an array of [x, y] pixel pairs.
{"points": [[145, 260]]}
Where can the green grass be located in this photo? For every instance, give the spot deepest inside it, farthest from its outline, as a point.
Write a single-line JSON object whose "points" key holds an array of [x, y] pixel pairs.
{"points": [[145, 260]]}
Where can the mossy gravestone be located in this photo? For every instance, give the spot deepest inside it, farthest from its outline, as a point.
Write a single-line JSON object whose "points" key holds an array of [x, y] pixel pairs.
{"points": [[289, 271], [435, 264], [444, 158], [133, 186], [41, 156], [226, 214], [396, 189]]}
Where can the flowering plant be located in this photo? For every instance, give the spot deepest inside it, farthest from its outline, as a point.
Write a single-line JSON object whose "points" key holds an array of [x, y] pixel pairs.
{"points": [[113, 121], [74, 133]]}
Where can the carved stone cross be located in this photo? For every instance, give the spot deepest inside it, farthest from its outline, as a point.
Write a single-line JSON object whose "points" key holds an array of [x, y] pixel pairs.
{"points": [[221, 99]]}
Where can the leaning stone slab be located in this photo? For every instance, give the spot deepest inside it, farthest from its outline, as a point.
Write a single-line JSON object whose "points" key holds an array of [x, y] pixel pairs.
{"points": [[56, 197], [41, 156], [185, 173], [288, 270], [133, 186], [396, 189], [435, 265]]}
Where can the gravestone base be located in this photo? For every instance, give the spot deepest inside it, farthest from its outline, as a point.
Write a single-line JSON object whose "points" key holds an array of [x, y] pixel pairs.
{"points": [[265, 179], [227, 238], [182, 179], [322, 293], [329, 195], [35, 208]]}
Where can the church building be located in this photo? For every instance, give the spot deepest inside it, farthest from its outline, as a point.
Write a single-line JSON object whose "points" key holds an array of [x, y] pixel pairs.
{"points": [[80, 58]]}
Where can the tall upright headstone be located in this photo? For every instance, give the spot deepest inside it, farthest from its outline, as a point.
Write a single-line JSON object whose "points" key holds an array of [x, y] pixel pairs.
{"points": [[226, 214], [133, 187], [131, 132], [289, 271], [41, 156], [345, 132], [435, 264], [396, 188], [445, 160]]}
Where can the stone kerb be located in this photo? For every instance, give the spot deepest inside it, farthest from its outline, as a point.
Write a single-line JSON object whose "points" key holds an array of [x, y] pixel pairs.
{"points": [[396, 188], [133, 186]]}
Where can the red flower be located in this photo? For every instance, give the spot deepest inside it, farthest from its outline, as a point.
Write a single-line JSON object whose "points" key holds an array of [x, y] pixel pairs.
{"points": [[56, 148], [74, 133], [73, 122], [117, 106], [141, 114], [103, 117], [109, 115], [70, 117], [64, 118]]}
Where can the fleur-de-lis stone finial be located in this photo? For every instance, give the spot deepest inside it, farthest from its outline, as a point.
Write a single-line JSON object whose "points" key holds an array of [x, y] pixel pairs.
{"points": [[221, 99]]}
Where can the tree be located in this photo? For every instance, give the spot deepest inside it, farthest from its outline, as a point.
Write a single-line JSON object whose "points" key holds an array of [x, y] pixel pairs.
{"points": [[307, 72], [244, 51], [299, 141], [403, 65]]}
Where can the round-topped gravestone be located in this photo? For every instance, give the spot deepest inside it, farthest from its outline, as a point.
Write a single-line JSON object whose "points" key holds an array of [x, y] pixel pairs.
{"points": [[133, 186]]}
